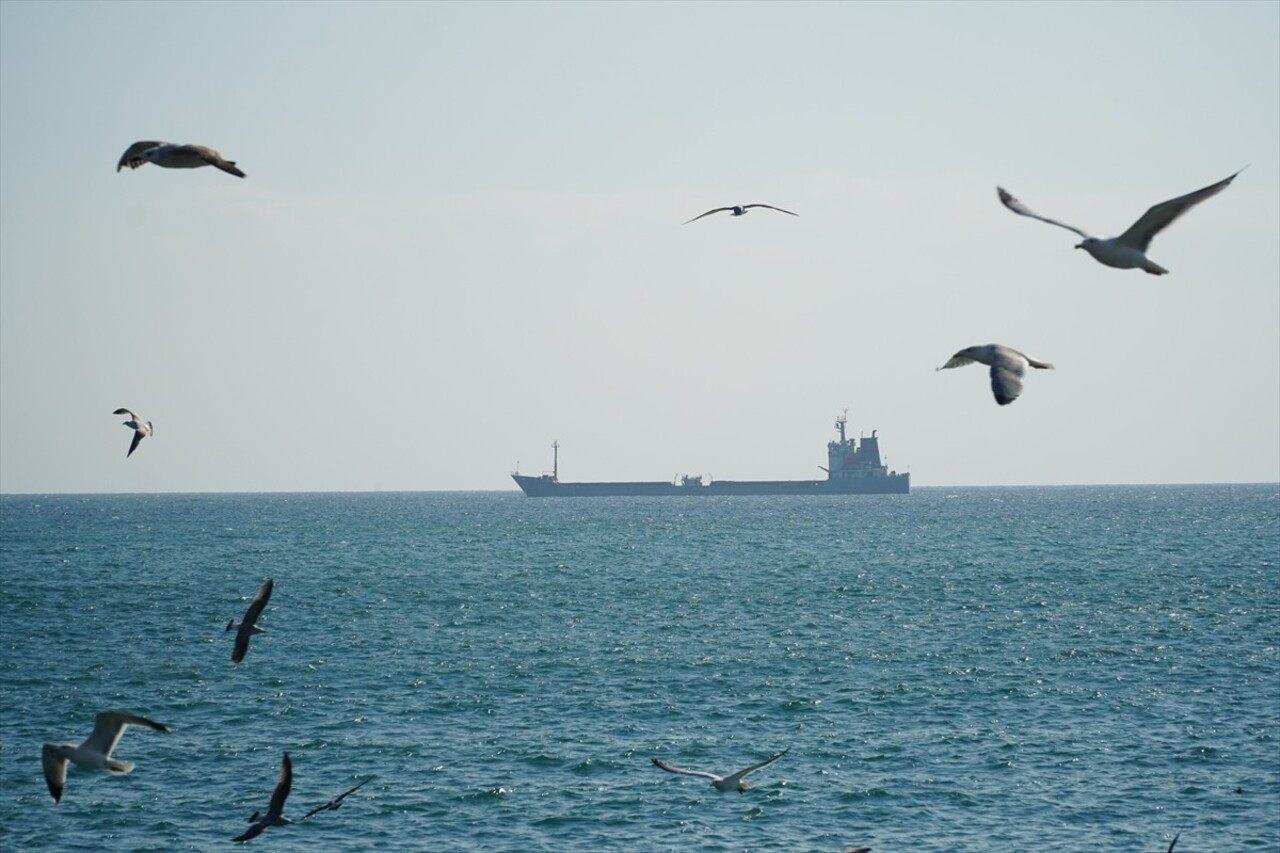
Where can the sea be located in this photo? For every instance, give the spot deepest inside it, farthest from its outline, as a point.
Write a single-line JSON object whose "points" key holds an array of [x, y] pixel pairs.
{"points": [[959, 669]]}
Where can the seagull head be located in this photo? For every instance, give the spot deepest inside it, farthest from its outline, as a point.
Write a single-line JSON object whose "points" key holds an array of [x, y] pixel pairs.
{"points": [[1087, 243]]}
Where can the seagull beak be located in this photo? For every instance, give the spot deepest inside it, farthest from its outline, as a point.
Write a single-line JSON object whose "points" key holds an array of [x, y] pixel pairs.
{"points": [[1079, 245]]}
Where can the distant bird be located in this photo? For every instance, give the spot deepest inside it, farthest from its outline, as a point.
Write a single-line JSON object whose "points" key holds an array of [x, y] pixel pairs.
{"points": [[1007, 367], [274, 816], [1129, 250], [249, 627], [94, 753], [336, 802], [737, 210], [732, 782], [172, 156], [140, 430]]}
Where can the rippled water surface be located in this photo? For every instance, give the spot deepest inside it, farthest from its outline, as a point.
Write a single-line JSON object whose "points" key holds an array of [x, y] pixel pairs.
{"points": [[960, 669]]}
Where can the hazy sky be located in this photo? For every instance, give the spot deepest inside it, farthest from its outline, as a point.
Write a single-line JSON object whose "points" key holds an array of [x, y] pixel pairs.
{"points": [[460, 239]]}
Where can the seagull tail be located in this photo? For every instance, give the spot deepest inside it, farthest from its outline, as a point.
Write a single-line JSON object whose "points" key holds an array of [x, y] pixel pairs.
{"points": [[1154, 268], [119, 766], [229, 166], [1040, 365]]}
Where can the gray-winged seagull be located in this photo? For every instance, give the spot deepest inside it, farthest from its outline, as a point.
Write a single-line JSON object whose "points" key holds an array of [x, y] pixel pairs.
{"points": [[95, 752], [1129, 250], [172, 156], [336, 802], [737, 210], [732, 782], [140, 429], [1007, 367], [249, 626], [275, 809]]}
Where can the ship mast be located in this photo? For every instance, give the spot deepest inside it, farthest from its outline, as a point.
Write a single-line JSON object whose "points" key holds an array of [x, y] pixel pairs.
{"points": [[555, 460], [840, 422]]}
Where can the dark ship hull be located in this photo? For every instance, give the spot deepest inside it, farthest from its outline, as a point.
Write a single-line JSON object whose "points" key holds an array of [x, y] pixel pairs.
{"points": [[854, 468]]}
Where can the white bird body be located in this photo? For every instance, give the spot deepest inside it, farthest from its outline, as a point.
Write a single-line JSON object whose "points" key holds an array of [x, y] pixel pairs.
{"points": [[95, 752], [1007, 368], [730, 782], [171, 156], [1129, 250]]}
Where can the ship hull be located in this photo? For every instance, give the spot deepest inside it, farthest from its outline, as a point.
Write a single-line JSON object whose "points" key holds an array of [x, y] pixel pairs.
{"points": [[549, 487]]}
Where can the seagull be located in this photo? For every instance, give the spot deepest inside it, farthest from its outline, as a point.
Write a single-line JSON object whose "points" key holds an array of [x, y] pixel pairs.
{"points": [[249, 627], [140, 430], [734, 781], [738, 210], [274, 816], [94, 753], [336, 802], [172, 156], [1007, 366], [1129, 250]]}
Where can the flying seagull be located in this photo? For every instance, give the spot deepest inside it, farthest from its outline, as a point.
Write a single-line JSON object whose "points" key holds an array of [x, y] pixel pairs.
{"points": [[172, 156], [1007, 367], [734, 781], [94, 753], [274, 815], [249, 627], [1129, 250], [140, 430], [336, 802], [738, 210]]}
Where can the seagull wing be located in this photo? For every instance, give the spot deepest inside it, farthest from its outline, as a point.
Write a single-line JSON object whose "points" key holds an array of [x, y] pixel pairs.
{"points": [[131, 415], [708, 213], [109, 726], [771, 207], [55, 770], [1007, 199], [738, 777], [133, 445], [1179, 835], [132, 157], [671, 768], [1006, 376], [1162, 215], [283, 786], [252, 832], [957, 361], [213, 158]]}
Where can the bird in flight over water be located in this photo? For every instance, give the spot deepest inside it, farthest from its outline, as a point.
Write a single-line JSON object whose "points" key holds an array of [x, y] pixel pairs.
{"points": [[1007, 368], [275, 809], [95, 752], [731, 782], [1129, 250], [249, 626], [172, 156], [336, 802], [737, 210]]}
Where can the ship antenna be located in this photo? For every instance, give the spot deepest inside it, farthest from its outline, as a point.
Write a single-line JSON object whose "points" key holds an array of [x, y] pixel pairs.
{"points": [[555, 460], [840, 422]]}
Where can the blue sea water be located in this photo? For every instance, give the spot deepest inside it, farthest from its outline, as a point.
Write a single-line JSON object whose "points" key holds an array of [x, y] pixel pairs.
{"points": [[979, 669]]}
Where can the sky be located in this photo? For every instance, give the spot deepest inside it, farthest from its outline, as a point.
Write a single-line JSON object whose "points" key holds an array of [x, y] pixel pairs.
{"points": [[460, 239]]}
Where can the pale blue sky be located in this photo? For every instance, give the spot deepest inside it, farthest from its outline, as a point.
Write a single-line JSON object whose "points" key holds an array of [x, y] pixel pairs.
{"points": [[460, 239]]}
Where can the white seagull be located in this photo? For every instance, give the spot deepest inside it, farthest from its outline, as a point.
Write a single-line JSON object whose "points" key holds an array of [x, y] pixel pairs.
{"points": [[1129, 250], [249, 627], [336, 802], [172, 156], [1007, 367], [275, 809], [738, 210], [732, 782], [140, 430], [94, 753]]}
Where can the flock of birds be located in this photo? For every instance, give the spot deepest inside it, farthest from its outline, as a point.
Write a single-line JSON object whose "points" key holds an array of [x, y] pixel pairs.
{"points": [[1007, 368]]}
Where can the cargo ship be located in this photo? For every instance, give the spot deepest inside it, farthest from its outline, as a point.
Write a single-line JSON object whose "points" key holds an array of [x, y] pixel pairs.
{"points": [[853, 468]]}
